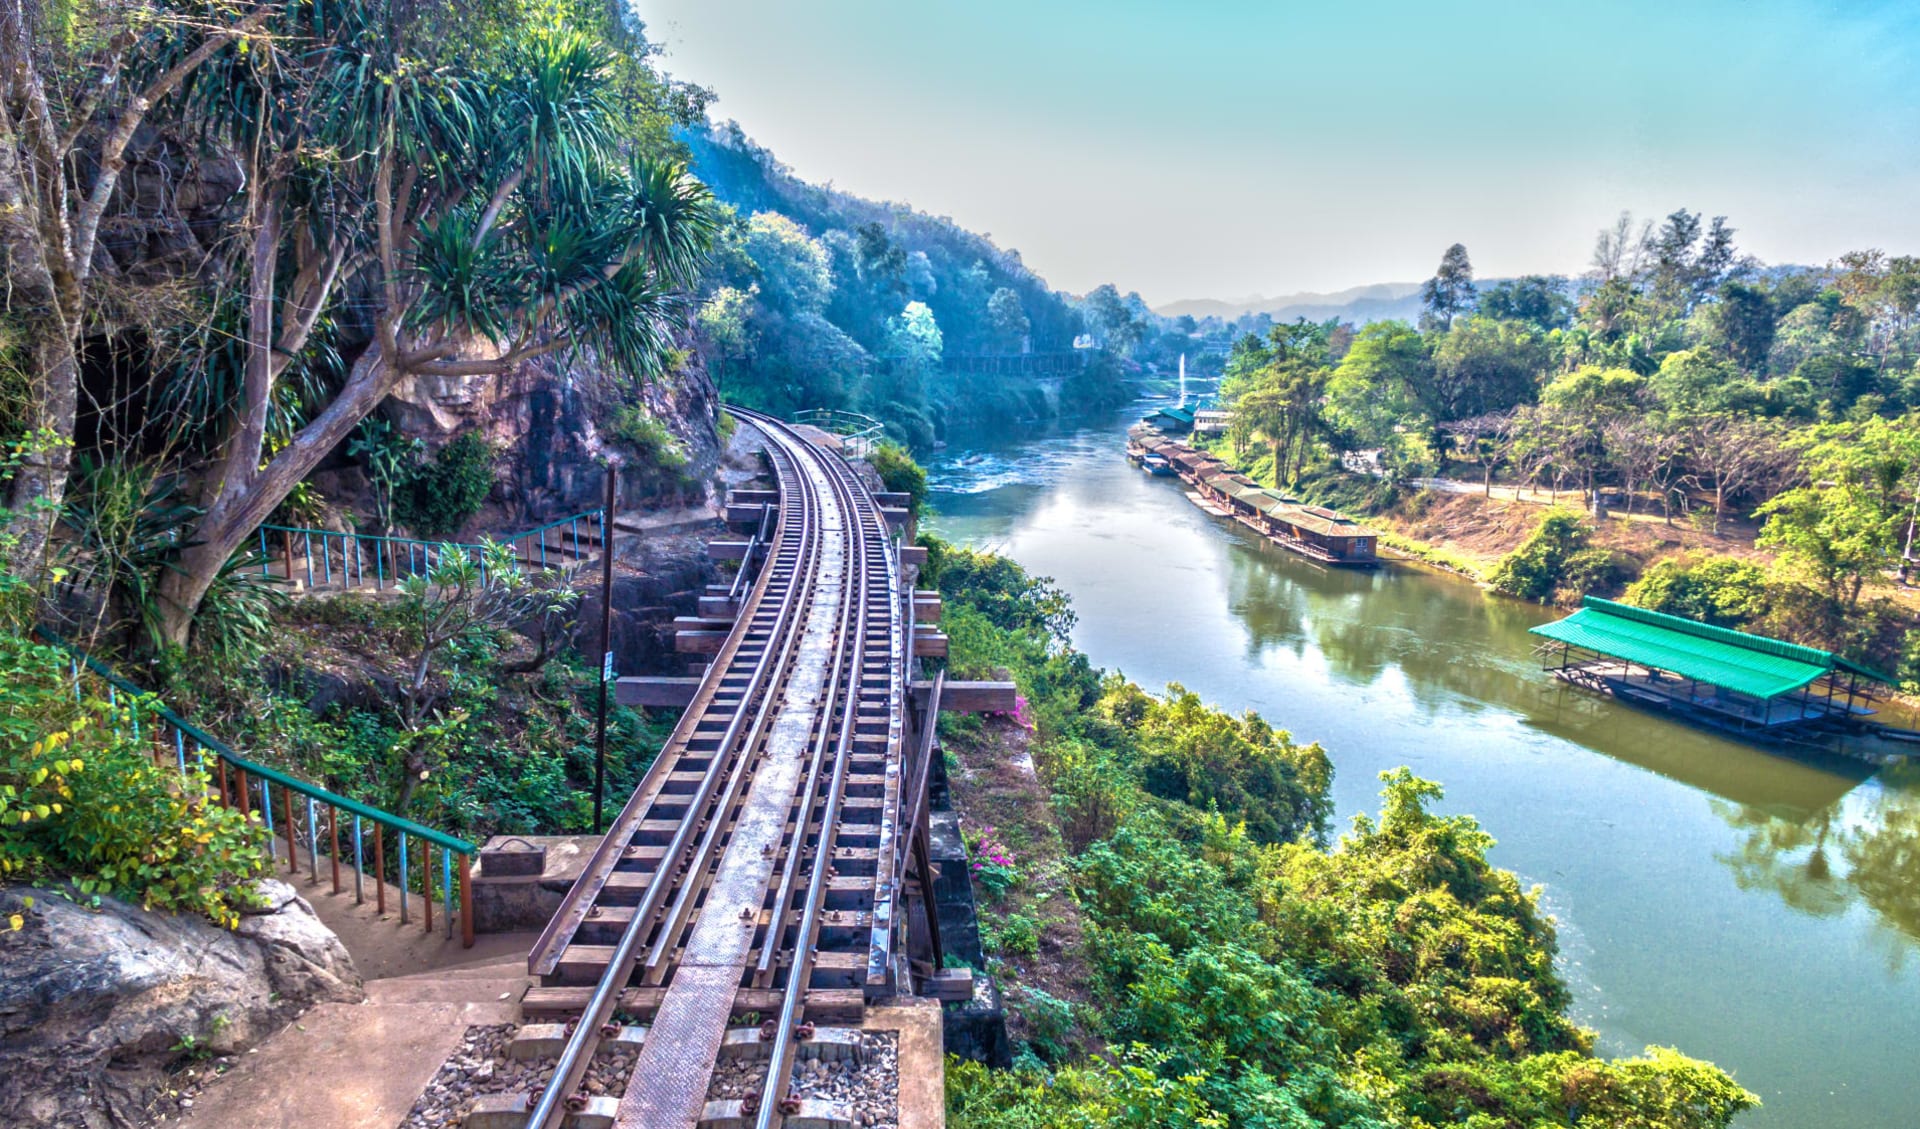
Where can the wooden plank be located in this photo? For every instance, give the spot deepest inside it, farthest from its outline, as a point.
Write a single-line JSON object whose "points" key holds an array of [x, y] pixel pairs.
{"points": [[896, 517], [655, 690], [926, 607], [970, 697], [754, 497], [703, 623], [892, 499], [822, 1005], [743, 514], [727, 550], [719, 606], [710, 642], [951, 984], [929, 645], [913, 554]]}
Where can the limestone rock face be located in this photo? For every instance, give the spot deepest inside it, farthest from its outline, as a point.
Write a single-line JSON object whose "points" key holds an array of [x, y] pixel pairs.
{"points": [[95, 1005]]}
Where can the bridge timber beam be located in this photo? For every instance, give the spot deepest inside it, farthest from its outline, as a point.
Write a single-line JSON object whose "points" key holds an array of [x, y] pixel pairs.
{"points": [[968, 697], [658, 691], [929, 645]]}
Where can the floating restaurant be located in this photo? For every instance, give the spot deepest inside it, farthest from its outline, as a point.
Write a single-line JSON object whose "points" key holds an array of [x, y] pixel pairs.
{"points": [[1729, 679], [1314, 532]]}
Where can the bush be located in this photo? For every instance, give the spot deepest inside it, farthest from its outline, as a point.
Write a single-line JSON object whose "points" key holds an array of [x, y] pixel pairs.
{"points": [[82, 798], [900, 473], [438, 496], [636, 429], [1719, 590], [1536, 569]]}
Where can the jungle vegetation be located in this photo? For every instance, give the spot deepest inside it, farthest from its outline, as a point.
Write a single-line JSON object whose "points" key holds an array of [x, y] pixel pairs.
{"points": [[1245, 972]]}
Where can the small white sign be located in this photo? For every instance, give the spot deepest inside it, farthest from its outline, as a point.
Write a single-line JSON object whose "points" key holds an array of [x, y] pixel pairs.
{"points": [[606, 667]]}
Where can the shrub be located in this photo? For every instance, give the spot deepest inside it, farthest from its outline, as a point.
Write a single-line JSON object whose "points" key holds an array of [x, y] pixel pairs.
{"points": [[636, 428], [81, 798], [1718, 590], [1535, 570], [438, 496], [1015, 935], [900, 473]]}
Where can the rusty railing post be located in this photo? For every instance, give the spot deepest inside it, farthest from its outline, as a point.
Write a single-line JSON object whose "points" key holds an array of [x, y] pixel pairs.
{"points": [[293, 848], [466, 901]]}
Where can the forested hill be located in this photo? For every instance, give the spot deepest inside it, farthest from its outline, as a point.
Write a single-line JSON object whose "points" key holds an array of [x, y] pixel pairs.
{"points": [[817, 298], [953, 270]]}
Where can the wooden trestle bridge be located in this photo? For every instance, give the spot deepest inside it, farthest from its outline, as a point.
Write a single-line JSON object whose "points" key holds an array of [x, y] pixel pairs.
{"points": [[771, 871]]}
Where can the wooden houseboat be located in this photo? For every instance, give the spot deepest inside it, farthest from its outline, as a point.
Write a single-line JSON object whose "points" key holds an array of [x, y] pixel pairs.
{"points": [[1728, 679], [1316, 532]]}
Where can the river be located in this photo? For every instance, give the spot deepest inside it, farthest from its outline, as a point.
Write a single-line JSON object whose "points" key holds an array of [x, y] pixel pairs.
{"points": [[1758, 910]]}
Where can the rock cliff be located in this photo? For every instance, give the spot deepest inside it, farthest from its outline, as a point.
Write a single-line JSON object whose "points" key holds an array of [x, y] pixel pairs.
{"points": [[96, 1004]]}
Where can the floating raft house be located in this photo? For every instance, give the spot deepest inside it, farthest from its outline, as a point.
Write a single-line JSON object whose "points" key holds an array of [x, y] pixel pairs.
{"points": [[1726, 678]]}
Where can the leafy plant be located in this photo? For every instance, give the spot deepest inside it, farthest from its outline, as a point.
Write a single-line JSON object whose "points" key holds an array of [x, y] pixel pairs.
{"points": [[435, 498], [82, 798], [389, 456]]}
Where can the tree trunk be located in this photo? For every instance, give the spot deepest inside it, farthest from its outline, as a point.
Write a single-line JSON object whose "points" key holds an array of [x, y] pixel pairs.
{"points": [[39, 486], [241, 507]]}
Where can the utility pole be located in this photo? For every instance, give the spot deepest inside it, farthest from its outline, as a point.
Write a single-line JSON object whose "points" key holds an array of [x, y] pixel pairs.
{"points": [[606, 643]]}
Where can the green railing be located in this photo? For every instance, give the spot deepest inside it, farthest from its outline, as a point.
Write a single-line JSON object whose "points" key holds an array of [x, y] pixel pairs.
{"points": [[858, 432], [238, 781], [333, 558]]}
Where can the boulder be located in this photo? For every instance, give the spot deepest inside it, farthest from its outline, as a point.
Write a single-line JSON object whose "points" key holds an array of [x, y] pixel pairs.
{"points": [[97, 1004]]}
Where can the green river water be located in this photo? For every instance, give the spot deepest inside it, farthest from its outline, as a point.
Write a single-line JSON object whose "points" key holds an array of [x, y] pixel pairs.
{"points": [[1755, 909]]}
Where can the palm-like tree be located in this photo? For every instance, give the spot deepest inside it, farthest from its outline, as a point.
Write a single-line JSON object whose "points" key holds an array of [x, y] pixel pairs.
{"points": [[461, 220]]}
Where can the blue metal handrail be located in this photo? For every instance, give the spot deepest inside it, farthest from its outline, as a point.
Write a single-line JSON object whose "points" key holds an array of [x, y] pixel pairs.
{"points": [[190, 741], [351, 548]]}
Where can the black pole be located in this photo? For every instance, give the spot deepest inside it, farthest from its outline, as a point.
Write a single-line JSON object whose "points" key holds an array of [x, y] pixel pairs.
{"points": [[606, 644]]}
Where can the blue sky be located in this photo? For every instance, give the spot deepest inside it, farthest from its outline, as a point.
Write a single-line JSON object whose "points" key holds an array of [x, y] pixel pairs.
{"points": [[1216, 149]]}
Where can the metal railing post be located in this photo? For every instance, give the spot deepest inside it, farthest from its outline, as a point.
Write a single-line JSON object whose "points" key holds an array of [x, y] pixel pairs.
{"points": [[359, 864], [403, 877], [466, 901]]}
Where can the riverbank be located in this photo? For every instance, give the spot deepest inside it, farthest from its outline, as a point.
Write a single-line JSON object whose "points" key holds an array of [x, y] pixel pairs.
{"points": [[1176, 896], [1681, 868]]}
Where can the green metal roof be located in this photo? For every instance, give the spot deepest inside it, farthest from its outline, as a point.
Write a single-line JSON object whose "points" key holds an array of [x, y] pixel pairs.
{"points": [[1183, 415], [1734, 660]]}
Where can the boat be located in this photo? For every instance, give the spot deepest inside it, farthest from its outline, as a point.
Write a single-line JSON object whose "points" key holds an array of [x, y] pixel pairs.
{"points": [[1156, 465]]}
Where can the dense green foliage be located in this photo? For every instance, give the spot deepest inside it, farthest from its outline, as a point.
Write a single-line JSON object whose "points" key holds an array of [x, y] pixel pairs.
{"points": [[438, 495], [900, 474], [82, 799], [1555, 562], [405, 191], [819, 299], [1245, 975]]}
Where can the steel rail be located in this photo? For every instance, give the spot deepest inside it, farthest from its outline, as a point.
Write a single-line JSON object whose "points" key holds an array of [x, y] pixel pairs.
{"points": [[576, 1058], [703, 855], [780, 1062]]}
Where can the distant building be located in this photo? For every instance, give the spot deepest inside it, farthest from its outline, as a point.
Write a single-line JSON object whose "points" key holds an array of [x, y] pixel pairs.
{"points": [[1172, 420], [1212, 421]]}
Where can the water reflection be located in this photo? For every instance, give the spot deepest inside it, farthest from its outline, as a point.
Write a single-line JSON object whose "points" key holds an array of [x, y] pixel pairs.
{"points": [[1862, 847], [1755, 908]]}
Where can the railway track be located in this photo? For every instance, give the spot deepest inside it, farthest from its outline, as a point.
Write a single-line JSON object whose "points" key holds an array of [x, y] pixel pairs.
{"points": [[757, 871]]}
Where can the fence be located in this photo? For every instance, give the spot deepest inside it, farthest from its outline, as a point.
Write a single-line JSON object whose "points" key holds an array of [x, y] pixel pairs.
{"points": [[249, 786], [858, 432], [344, 557]]}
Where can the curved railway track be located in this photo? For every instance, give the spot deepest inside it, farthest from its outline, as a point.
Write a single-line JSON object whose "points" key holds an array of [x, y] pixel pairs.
{"points": [[756, 870]]}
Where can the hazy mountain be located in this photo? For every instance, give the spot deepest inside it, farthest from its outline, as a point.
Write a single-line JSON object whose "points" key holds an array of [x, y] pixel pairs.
{"points": [[1376, 302]]}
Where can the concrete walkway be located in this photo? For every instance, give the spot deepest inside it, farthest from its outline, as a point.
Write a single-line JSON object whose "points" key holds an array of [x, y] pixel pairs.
{"points": [[362, 1066]]}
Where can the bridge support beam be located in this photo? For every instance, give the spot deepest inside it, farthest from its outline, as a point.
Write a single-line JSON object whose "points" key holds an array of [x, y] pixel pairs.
{"points": [[659, 691], [969, 697]]}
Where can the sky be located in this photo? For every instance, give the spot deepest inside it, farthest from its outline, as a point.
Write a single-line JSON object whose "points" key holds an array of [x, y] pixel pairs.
{"points": [[1223, 149]]}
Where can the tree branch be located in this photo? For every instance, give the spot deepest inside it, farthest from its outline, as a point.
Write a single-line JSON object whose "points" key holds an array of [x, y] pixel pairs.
{"points": [[113, 150]]}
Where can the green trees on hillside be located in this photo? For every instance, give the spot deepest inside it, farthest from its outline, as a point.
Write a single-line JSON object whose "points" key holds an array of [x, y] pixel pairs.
{"points": [[1397, 979], [416, 191]]}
